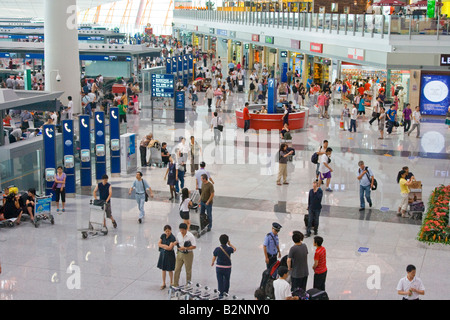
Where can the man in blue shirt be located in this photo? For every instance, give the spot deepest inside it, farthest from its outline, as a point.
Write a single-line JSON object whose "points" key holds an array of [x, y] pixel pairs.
{"points": [[272, 245], [391, 114], [231, 66], [366, 178], [140, 186]]}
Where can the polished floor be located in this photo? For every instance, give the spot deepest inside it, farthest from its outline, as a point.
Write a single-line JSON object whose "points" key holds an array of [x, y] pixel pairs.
{"points": [[367, 252]]}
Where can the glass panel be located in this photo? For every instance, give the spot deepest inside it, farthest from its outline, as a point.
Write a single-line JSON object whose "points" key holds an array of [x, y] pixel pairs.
{"points": [[359, 23], [335, 22], [351, 20]]}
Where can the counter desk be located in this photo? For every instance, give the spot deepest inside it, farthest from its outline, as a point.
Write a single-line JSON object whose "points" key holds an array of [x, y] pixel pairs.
{"points": [[298, 119]]}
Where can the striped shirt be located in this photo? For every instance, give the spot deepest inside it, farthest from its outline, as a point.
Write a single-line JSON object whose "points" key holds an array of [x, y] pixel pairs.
{"points": [[321, 256]]}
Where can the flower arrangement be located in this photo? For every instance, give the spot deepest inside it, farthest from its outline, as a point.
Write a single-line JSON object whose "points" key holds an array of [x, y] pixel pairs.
{"points": [[435, 227]]}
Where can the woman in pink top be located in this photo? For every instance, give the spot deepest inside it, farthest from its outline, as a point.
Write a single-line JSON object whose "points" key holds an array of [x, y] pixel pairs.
{"points": [[321, 100], [60, 191]]}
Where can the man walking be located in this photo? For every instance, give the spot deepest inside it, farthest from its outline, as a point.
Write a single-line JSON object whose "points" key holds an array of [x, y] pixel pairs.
{"points": [[366, 179], [140, 186], [416, 122], [185, 255], [298, 262], [198, 177], [206, 199], [314, 208], [324, 169], [246, 117], [272, 245]]}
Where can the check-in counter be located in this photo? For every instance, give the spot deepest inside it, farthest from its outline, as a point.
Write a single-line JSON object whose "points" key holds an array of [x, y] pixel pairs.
{"points": [[298, 119]]}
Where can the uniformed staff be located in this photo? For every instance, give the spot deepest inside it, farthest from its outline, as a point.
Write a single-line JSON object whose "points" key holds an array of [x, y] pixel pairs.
{"points": [[272, 245]]}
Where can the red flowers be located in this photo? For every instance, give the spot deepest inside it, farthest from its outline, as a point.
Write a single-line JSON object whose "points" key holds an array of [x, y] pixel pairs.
{"points": [[435, 227]]}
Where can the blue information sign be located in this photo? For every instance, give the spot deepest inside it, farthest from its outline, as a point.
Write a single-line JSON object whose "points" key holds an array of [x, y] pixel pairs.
{"points": [[180, 106], [114, 136], [100, 149], [271, 95], [185, 70], [169, 65], [85, 151], [162, 85], [435, 94], [69, 161], [49, 134]]}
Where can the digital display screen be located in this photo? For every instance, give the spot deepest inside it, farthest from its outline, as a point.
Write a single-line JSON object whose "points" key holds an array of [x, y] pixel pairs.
{"points": [[162, 85], [115, 144]]}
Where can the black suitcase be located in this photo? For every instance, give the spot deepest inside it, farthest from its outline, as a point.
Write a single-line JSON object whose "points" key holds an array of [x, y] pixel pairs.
{"points": [[306, 219], [317, 294]]}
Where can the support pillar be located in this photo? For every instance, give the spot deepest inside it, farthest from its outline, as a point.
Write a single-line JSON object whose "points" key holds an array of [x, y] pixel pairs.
{"points": [[61, 52]]}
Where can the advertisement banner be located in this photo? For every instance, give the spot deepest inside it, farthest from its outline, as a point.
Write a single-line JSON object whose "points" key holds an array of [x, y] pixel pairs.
{"points": [[434, 94], [68, 155], [85, 151]]}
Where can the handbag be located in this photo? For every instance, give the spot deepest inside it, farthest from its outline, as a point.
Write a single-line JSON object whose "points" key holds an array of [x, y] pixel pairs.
{"points": [[226, 253], [145, 191], [219, 126], [54, 186]]}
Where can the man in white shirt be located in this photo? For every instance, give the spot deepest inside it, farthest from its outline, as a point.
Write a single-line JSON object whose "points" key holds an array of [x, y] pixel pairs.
{"points": [[282, 288], [410, 287], [198, 177], [416, 116], [353, 115], [215, 123], [185, 255], [324, 169]]}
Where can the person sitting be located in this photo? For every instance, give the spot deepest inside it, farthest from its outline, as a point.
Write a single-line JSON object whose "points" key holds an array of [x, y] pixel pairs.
{"points": [[263, 110], [11, 207], [30, 202]]}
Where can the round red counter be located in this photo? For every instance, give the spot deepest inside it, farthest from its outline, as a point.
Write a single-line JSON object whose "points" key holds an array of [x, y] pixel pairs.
{"points": [[259, 121]]}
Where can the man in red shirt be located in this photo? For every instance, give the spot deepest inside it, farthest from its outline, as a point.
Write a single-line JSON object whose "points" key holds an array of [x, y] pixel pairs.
{"points": [[246, 117], [320, 264]]}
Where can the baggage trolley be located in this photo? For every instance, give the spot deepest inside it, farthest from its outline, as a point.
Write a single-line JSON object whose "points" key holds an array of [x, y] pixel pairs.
{"points": [[199, 224], [8, 223], [155, 155], [97, 219], [416, 205], [42, 210]]}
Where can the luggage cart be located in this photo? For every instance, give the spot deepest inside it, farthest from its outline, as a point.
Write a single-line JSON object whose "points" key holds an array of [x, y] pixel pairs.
{"points": [[42, 210], [416, 205], [155, 155], [198, 224], [97, 217], [8, 223]]}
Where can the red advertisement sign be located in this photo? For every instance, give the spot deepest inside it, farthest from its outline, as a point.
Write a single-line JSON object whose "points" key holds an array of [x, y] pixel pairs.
{"points": [[316, 47], [255, 37]]}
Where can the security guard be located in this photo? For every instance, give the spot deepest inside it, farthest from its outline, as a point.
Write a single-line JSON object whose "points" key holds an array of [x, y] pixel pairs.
{"points": [[272, 245]]}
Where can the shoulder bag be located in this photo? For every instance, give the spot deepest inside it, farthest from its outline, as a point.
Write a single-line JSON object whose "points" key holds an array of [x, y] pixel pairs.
{"points": [[145, 191], [375, 183]]}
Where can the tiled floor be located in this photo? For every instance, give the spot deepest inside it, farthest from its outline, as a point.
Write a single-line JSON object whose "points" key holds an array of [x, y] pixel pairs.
{"points": [[54, 262]]}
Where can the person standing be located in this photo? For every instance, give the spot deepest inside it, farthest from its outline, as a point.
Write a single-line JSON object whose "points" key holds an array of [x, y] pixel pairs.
{"points": [[222, 258], [246, 117], [298, 262], [410, 287], [206, 199], [143, 149], [282, 163], [314, 208], [198, 177], [123, 109], [366, 180], [353, 117], [381, 123], [416, 117], [209, 95], [215, 123], [404, 193], [185, 242], [60, 188], [195, 152], [70, 108], [320, 264], [271, 245], [140, 186], [324, 169], [320, 152], [181, 162], [281, 287], [166, 261], [172, 177], [104, 189]]}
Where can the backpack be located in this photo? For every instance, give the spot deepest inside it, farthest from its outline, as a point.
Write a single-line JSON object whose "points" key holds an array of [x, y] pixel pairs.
{"points": [[252, 86], [294, 89], [315, 158]]}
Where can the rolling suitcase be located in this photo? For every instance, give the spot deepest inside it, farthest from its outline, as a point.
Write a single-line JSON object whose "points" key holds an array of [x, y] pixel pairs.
{"points": [[317, 294]]}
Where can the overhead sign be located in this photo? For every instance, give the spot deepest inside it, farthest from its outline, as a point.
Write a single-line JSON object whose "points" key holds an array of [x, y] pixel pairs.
{"points": [[269, 39], [445, 60], [316, 47], [162, 85], [356, 54], [295, 44], [255, 37], [222, 32]]}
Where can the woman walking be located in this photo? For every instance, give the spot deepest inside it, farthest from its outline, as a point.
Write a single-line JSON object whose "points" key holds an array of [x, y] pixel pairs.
{"points": [[381, 122], [223, 265], [166, 261], [60, 188], [172, 177], [185, 204]]}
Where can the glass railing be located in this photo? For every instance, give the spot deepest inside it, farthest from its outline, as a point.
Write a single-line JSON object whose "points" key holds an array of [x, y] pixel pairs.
{"points": [[356, 24]]}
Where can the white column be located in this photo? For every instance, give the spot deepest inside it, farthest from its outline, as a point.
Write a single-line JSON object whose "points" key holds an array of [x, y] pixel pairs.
{"points": [[61, 50]]}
